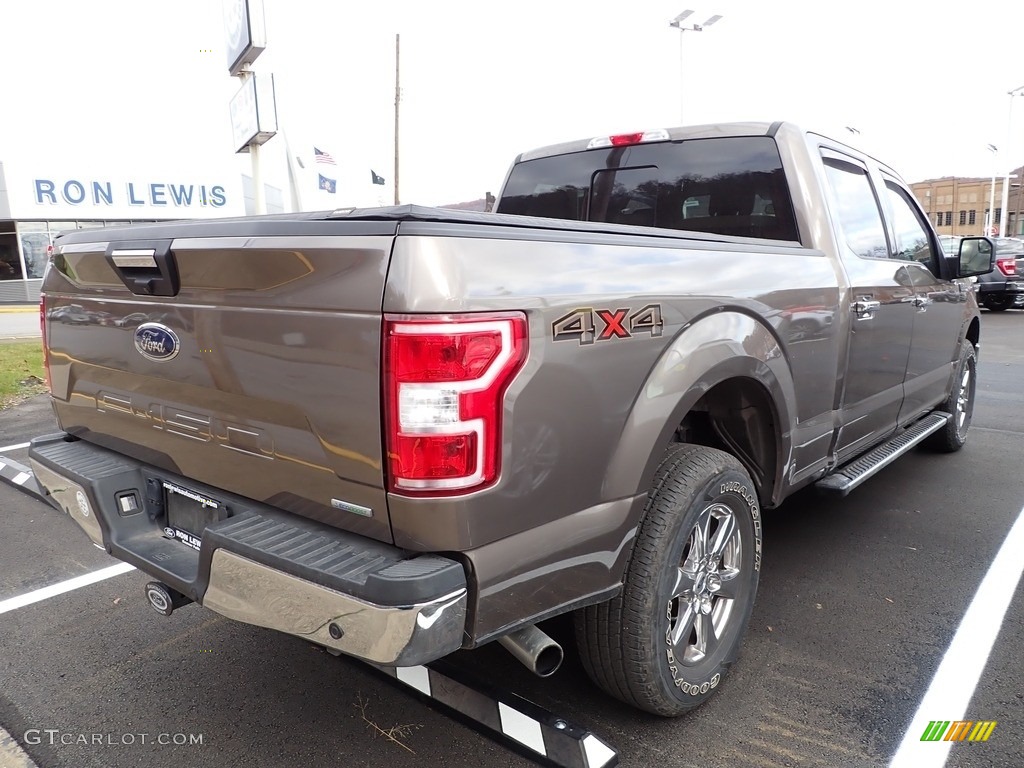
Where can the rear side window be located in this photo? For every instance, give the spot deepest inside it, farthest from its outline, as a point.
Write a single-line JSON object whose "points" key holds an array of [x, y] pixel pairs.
{"points": [[857, 209], [727, 186]]}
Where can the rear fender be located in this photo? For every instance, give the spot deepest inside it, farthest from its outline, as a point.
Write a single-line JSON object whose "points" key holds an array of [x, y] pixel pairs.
{"points": [[712, 349]]}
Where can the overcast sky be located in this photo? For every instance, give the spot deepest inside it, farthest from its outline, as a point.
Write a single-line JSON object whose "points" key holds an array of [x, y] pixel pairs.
{"points": [[132, 83]]}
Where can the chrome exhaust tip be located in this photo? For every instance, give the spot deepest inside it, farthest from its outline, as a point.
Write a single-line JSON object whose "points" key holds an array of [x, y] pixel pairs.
{"points": [[536, 650]]}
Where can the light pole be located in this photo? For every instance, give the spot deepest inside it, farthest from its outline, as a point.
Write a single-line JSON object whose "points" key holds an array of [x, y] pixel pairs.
{"points": [[398, 101], [989, 217], [679, 23], [1009, 134]]}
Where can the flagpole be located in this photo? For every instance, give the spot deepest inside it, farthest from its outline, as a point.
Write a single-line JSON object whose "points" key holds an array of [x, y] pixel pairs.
{"points": [[293, 176], [398, 99]]}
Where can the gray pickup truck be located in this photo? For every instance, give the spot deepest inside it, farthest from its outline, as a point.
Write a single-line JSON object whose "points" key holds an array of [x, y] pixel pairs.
{"points": [[405, 431]]}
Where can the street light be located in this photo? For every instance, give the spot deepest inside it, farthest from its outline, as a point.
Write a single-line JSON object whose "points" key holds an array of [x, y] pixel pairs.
{"points": [[679, 22], [992, 190], [1009, 133]]}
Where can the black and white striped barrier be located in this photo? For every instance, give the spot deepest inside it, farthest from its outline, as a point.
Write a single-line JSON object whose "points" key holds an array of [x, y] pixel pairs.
{"points": [[21, 477], [516, 722]]}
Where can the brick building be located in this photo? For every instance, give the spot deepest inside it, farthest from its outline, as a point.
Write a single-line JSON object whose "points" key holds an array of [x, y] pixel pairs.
{"points": [[960, 206]]}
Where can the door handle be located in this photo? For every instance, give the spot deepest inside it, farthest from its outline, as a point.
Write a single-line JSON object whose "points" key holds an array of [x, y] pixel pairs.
{"points": [[922, 302], [863, 309]]}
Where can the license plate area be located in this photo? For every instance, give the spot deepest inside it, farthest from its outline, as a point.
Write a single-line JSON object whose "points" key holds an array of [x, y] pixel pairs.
{"points": [[188, 514]]}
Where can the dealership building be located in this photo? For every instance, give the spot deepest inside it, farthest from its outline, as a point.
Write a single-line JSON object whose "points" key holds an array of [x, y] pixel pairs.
{"points": [[39, 199]]}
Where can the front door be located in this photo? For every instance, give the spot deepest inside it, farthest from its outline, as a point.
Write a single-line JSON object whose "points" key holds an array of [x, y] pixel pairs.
{"points": [[938, 307]]}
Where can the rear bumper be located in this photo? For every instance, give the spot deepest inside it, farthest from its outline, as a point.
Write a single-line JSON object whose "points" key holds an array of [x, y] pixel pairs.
{"points": [[1002, 287], [263, 566]]}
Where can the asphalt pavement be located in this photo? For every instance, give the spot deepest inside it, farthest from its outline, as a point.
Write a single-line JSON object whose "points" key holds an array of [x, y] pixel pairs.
{"points": [[859, 599]]}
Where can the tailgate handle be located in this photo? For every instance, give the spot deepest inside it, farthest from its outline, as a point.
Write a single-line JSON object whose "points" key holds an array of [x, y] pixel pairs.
{"points": [[146, 267]]}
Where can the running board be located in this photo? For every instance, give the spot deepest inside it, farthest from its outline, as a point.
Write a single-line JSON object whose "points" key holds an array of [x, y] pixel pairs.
{"points": [[849, 476]]}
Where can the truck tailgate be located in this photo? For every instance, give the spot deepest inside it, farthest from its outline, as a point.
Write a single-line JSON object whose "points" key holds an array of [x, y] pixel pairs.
{"points": [[259, 375]]}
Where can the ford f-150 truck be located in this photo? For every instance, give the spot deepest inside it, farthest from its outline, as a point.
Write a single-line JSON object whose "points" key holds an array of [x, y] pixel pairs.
{"points": [[405, 431]]}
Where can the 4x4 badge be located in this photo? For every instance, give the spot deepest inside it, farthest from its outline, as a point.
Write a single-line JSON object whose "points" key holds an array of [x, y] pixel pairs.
{"points": [[579, 324]]}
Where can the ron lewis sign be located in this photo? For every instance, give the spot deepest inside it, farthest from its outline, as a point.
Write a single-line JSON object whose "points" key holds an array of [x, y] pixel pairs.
{"points": [[176, 195]]}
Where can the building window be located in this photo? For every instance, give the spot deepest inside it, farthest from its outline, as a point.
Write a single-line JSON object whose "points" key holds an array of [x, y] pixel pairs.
{"points": [[938, 219], [971, 217], [963, 218], [999, 214], [949, 218]]}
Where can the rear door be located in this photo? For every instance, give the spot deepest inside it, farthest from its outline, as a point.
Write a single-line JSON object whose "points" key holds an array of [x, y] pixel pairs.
{"points": [[880, 307], [258, 374]]}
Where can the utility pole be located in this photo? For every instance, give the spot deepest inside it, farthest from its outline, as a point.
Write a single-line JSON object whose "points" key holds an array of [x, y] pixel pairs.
{"points": [[398, 100], [991, 217]]}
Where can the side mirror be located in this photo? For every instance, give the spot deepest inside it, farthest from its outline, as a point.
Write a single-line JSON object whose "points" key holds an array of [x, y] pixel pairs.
{"points": [[976, 256]]}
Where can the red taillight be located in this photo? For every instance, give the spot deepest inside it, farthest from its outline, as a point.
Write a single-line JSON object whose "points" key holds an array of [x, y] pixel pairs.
{"points": [[1007, 266], [444, 384], [46, 347]]}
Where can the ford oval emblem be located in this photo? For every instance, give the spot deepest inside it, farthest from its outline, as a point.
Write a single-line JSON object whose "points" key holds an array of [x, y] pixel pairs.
{"points": [[156, 342]]}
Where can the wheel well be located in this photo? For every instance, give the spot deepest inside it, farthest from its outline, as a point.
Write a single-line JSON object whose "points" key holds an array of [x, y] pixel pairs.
{"points": [[974, 332], [737, 416]]}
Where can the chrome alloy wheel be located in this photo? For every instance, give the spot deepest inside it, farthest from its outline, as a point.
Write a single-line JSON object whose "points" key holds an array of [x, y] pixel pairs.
{"points": [[706, 586], [963, 398]]}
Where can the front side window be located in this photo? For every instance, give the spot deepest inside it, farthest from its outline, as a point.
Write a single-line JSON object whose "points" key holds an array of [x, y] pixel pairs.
{"points": [[912, 240], [857, 209]]}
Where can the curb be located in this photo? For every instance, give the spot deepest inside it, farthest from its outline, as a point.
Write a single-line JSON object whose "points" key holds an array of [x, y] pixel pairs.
{"points": [[26, 308], [21, 477]]}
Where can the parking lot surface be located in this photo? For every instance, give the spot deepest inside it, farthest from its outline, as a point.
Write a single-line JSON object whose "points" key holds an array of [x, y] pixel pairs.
{"points": [[859, 600]]}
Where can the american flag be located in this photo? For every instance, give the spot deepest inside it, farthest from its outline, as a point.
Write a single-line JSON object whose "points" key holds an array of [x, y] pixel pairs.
{"points": [[323, 157]]}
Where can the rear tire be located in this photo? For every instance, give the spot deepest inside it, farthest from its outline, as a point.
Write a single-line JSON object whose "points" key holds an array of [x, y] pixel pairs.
{"points": [[960, 403], [998, 304], [665, 643]]}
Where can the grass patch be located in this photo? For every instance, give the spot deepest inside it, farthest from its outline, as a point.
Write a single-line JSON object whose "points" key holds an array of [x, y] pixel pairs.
{"points": [[21, 372]]}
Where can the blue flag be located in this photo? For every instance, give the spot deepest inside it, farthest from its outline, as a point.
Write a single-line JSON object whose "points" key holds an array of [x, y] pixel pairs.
{"points": [[328, 184]]}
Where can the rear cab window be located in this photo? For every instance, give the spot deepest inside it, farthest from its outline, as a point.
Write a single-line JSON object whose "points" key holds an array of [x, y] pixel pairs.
{"points": [[724, 186]]}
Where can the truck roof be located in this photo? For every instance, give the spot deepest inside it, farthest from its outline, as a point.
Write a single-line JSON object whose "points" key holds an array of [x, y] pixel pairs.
{"points": [[707, 131]]}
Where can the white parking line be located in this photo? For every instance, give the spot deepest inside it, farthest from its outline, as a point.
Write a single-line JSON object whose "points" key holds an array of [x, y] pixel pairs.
{"points": [[14, 447], [954, 683], [65, 586], [11, 755]]}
